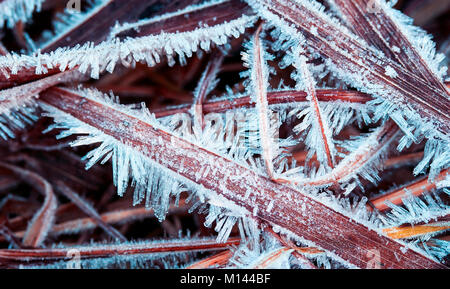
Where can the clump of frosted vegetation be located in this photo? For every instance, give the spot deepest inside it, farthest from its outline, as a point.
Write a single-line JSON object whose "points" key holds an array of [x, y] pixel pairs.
{"points": [[246, 140]]}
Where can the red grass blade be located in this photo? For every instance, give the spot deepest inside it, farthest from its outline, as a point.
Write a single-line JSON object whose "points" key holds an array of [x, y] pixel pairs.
{"points": [[42, 221], [379, 29], [347, 239], [351, 57], [417, 188]]}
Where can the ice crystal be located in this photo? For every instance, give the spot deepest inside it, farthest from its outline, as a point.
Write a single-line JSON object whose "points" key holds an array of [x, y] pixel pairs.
{"points": [[95, 59], [416, 210], [13, 11], [354, 74], [153, 183]]}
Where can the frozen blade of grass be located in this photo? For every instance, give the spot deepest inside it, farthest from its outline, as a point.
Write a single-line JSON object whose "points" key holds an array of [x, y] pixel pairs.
{"points": [[204, 87], [238, 183], [10, 77], [259, 81], [294, 97], [209, 13], [390, 31], [417, 188], [393, 33], [94, 59], [42, 221], [324, 130], [16, 103], [109, 250], [358, 64], [417, 230], [94, 23]]}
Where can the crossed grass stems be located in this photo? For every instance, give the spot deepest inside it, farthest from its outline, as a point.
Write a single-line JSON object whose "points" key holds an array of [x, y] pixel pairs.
{"points": [[38, 231]]}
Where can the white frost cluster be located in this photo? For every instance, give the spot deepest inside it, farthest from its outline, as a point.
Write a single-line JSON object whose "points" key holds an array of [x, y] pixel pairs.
{"points": [[153, 183], [13, 11], [386, 99], [16, 119], [95, 59], [437, 248], [149, 179], [17, 104], [419, 38], [437, 147], [416, 210], [233, 134], [253, 255], [363, 144]]}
